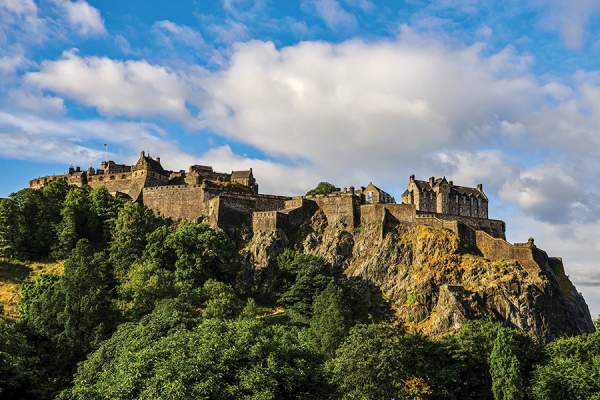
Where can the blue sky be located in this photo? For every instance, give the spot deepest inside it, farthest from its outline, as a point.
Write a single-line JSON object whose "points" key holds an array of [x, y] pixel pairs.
{"points": [[501, 93]]}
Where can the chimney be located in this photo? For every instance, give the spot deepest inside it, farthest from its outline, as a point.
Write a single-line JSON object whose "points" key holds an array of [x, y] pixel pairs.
{"points": [[451, 183], [78, 169], [142, 154], [158, 159], [412, 178], [480, 187], [431, 180]]}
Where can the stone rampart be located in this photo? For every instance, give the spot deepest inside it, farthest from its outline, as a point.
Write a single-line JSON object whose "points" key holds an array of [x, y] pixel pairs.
{"points": [[177, 202], [268, 221], [112, 182], [339, 208], [494, 227], [40, 182], [526, 254], [294, 202]]}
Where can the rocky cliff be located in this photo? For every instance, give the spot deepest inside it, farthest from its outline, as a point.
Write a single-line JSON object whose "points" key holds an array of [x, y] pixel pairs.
{"points": [[433, 282]]}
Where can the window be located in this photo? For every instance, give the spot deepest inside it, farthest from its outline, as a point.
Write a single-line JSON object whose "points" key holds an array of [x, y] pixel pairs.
{"points": [[369, 197]]}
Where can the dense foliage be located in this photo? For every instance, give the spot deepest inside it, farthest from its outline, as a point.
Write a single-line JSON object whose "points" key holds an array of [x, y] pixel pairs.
{"points": [[152, 309]]}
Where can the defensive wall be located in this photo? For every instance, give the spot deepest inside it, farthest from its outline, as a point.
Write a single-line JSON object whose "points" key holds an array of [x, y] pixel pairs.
{"points": [[339, 208], [527, 254]]}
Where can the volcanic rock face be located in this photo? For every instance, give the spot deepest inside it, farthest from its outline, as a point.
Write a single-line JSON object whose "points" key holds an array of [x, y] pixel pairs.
{"points": [[434, 285]]}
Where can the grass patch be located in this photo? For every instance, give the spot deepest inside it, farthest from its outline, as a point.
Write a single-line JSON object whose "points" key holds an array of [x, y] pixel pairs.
{"points": [[14, 273]]}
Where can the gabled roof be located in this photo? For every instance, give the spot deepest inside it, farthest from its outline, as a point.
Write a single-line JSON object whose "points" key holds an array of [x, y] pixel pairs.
{"points": [[241, 174], [147, 162], [464, 190]]}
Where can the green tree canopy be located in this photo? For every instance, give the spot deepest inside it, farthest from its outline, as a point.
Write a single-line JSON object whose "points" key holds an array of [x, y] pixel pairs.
{"points": [[378, 361], [238, 359], [505, 368], [134, 222], [322, 188], [571, 370]]}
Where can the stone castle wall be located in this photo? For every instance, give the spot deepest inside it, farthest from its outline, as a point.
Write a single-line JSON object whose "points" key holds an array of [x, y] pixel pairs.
{"points": [[494, 227], [341, 208], [177, 202]]}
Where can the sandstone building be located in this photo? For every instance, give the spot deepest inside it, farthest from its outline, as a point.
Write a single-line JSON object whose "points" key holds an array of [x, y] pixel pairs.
{"points": [[437, 195]]}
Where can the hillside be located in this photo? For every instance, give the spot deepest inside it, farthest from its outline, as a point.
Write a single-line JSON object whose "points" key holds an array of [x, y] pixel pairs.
{"points": [[12, 276]]}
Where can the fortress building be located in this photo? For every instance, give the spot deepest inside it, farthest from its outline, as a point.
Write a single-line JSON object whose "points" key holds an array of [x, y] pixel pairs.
{"points": [[232, 200], [437, 195]]}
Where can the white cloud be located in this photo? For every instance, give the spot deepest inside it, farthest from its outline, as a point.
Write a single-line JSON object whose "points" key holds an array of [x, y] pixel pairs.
{"points": [[272, 177], [19, 7], [570, 18], [364, 106], [180, 33], [548, 193], [85, 18], [332, 13], [36, 102], [9, 64], [487, 167], [134, 88]]}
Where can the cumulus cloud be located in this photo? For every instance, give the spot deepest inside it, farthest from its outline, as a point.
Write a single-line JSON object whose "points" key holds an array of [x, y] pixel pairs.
{"points": [[83, 17], [358, 105], [488, 167], [134, 88], [549, 194], [30, 101], [273, 177]]}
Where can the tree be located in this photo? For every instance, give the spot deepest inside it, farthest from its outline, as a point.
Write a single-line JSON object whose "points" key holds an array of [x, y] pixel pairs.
{"points": [[505, 369], [219, 300], [236, 359], [470, 349], [106, 208], [34, 233], [303, 278], [79, 221], [377, 361], [16, 363], [134, 222], [202, 253], [8, 228], [42, 305], [89, 313], [571, 369], [330, 319], [322, 188], [144, 286], [41, 309]]}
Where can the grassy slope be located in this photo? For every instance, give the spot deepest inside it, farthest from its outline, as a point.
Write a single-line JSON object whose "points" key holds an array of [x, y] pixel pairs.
{"points": [[14, 273]]}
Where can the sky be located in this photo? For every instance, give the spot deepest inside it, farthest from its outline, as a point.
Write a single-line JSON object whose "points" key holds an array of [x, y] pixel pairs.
{"points": [[506, 94]]}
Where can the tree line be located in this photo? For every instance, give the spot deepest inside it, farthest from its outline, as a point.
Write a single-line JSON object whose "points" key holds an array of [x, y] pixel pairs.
{"points": [[148, 308]]}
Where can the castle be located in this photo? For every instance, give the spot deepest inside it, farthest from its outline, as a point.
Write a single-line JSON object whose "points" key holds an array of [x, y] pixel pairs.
{"points": [[229, 200]]}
